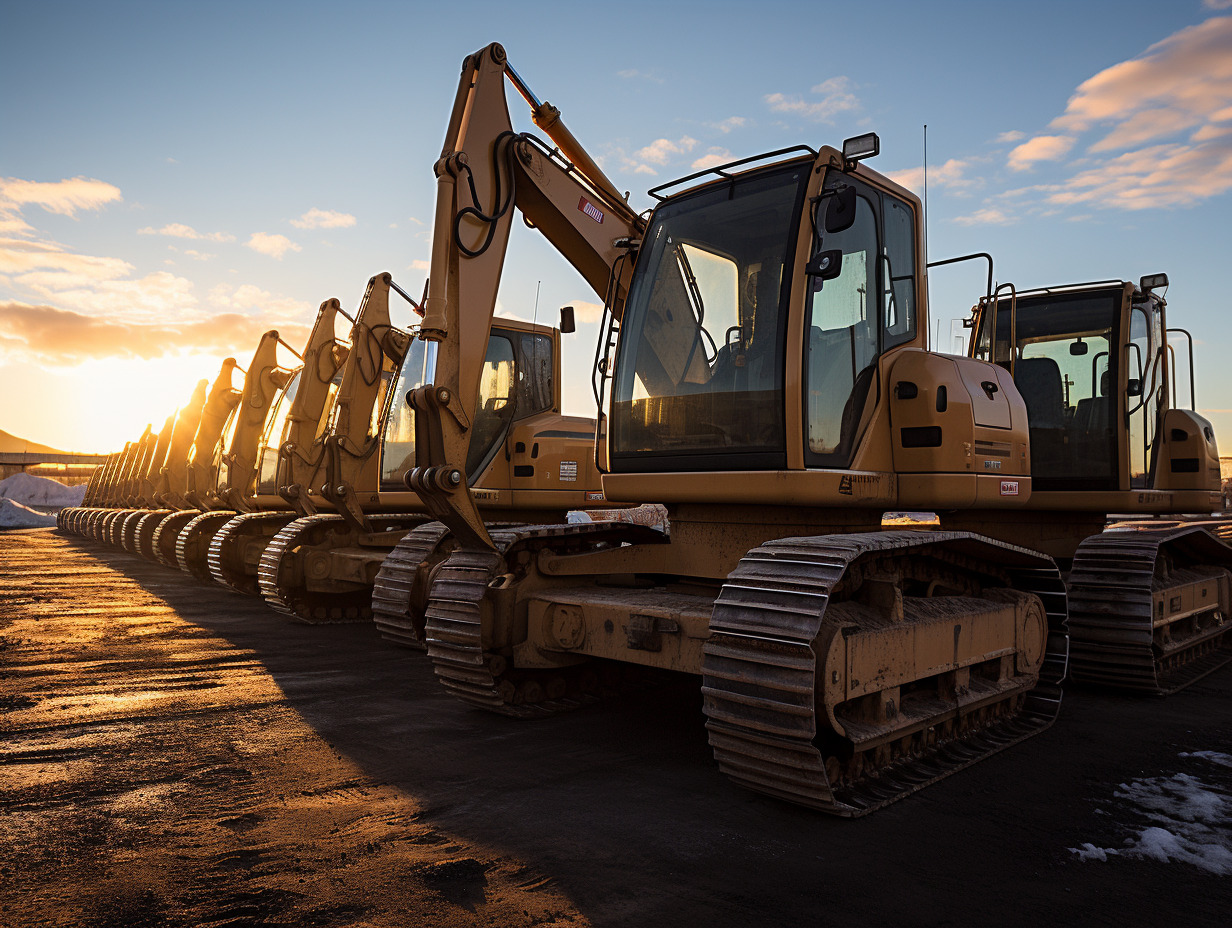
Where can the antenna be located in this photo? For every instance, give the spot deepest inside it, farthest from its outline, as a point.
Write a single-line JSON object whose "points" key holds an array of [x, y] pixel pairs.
{"points": [[933, 347], [926, 185]]}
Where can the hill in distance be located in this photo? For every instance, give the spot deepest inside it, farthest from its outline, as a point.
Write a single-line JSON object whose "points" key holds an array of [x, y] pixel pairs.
{"points": [[11, 444]]}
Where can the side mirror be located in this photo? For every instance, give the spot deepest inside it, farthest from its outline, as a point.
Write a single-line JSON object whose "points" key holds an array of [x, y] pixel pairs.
{"points": [[1079, 348], [1133, 387], [825, 265], [840, 210], [567, 323]]}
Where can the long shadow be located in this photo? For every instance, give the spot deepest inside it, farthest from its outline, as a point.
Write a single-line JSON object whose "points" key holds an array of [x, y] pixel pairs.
{"points": [[623, 806]]}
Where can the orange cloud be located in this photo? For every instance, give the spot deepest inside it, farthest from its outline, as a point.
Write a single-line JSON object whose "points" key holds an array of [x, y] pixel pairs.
{"points": [[64, 197], [1040, 148], [60, 337], [837, 96], [324, 219], [1161, 176], [1181, 82], [273, 245], [951, 174], [179, 230]]}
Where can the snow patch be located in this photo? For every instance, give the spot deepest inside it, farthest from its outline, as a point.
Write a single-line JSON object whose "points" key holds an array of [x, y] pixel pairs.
{"points": [[1179, 818], [29, 490], [1214, 757], [15, 515]]}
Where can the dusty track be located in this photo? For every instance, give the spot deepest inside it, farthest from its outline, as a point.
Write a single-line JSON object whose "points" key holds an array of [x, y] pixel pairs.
{"points": [[174, 754]]}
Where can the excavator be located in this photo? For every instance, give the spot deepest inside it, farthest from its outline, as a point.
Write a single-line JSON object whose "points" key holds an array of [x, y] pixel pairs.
{"points": [[212, 481], [764, 348], [290, 445], [115, 491], [170, 473], [192, 479], [1149, 600], [320, 563]]}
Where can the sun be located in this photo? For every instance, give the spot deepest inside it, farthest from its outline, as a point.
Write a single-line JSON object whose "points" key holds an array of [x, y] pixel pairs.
{"points": [[117, 399]]}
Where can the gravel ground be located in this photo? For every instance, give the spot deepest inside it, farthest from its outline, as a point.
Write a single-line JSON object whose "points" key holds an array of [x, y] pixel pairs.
{"points": [[172, 754]]}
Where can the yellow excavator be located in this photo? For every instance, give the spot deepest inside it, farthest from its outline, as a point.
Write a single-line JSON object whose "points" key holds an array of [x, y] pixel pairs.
{"points": [[1148, 601], [181, 493], [234, 455], [764, 346], [319, 563]]}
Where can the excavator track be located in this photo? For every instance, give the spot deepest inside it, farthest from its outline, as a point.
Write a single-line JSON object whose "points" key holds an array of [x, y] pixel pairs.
{"points": [[1150, 607], [166, 534], [761, 664], [276, 573], [454, 624], [143, 539], [85, 521], [396, 596], [98, 523], [192, 543], [227, 558], [111, 535], [128, 530]]}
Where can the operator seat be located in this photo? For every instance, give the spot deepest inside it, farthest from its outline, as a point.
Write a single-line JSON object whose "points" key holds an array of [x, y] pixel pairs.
{"points": [[1039, 382], [1094, 413]]}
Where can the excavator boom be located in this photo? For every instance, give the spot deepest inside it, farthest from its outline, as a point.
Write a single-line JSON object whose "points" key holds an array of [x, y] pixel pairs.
{"points": [[485, 170]]}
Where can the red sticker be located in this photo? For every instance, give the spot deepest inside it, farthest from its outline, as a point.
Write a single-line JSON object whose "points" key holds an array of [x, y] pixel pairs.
{"points": [[591, 210], [1009, 487]]}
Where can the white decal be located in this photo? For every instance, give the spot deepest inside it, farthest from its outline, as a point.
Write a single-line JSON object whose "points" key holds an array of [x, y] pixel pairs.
{"points": [[590, 210]]}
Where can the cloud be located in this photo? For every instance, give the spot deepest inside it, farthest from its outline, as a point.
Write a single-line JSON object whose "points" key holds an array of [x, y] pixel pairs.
{"points": [[1158, 127], [1160, 176], [45, 334], [255, 302], [712, 158], [23, 258], [179, 230], [836, 94], [64, 197], [1217, 5], [728, 124], [585, 311], [273, 245], [1013, 135], [198, 255], [92, 284], [324, 219], [12, 224], [660, 151], [420, 265], [988, 216], [1040, 148], [1182, 82], [951, 174]]}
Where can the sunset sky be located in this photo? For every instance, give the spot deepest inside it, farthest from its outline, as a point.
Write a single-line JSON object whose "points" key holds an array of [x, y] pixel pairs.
{"points": [[177, 178]]}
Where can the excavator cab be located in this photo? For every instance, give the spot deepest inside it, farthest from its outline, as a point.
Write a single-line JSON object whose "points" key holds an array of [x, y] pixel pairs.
{"points": [[1094, 366], [711, 373]]}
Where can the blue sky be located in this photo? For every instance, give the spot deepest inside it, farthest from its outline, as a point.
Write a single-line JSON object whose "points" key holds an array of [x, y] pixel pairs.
{"points": [[176, 178]]}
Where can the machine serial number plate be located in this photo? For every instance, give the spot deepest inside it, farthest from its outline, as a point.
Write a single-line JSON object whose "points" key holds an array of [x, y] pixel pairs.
{"points": [[568, 470]]}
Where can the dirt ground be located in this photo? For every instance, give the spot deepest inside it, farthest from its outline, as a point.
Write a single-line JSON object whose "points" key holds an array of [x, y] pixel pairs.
{"points": [[176, 755]]}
